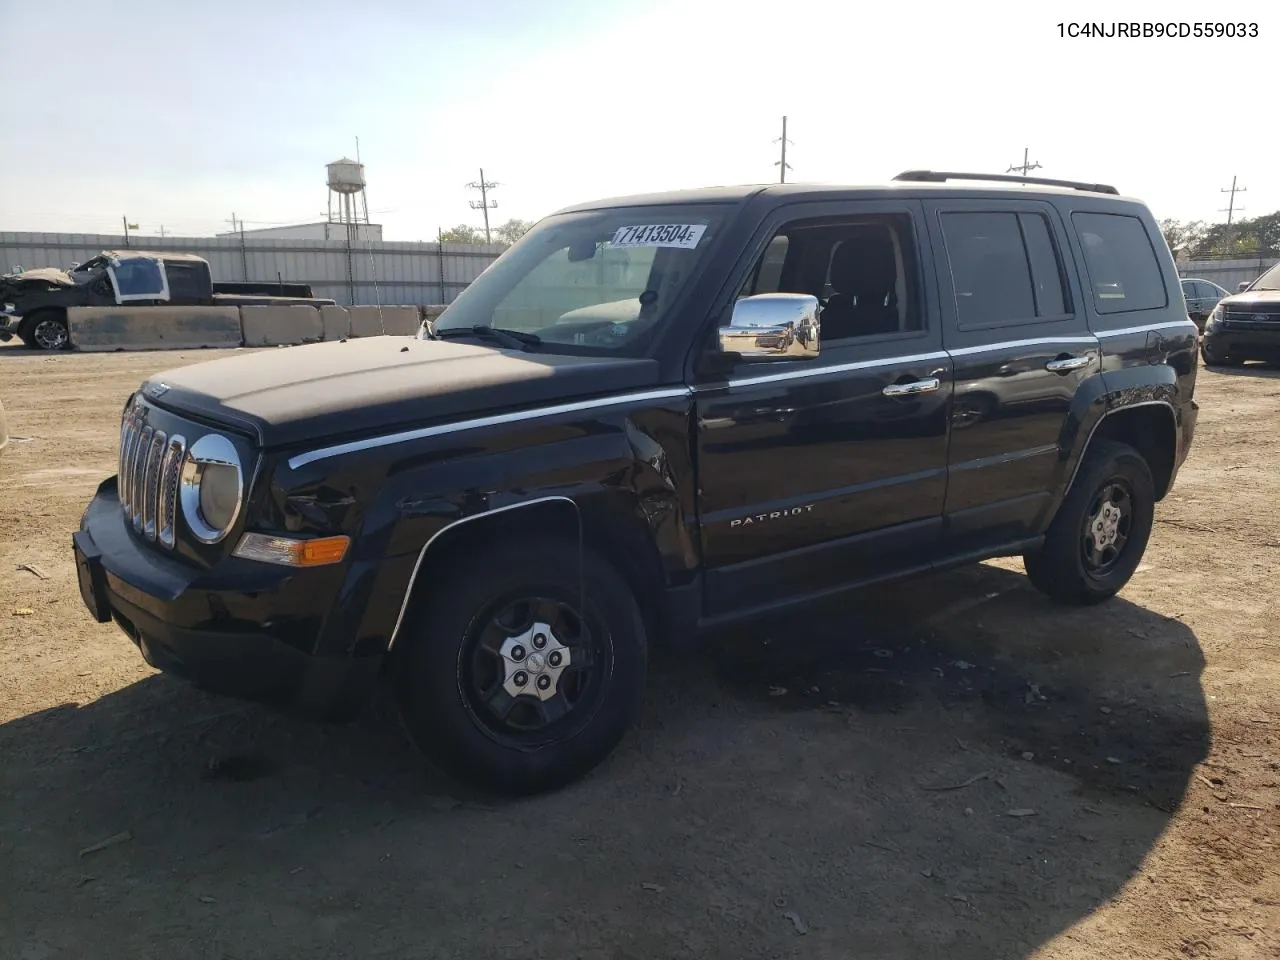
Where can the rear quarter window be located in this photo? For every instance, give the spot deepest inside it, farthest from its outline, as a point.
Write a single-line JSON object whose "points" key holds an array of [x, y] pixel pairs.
{"points": [[1124, 273]]}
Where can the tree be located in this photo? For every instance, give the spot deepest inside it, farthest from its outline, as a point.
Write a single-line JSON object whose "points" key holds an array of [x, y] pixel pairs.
{"points": [[512, 230], [1183, 237], [462, 233]]}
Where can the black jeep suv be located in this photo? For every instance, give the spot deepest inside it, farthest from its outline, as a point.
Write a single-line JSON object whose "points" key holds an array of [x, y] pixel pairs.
{"points": [[652, 415]]}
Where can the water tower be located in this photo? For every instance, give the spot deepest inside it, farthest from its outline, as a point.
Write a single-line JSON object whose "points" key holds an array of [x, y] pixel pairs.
{"points": [[347, 203]]}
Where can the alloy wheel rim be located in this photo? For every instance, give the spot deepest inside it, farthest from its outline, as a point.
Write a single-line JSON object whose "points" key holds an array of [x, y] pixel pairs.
{"points": [[1107, 528], [50, 334], [530, 669]]}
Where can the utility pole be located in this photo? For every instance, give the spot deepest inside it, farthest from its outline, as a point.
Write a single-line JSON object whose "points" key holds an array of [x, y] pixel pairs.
{"points": [[1027, 166], [484, 203], [1231, 204], [238, 225], [782, 164], [162, 230], [127, 225]]}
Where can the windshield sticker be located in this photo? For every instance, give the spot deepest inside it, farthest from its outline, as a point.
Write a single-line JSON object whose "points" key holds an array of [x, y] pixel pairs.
{"points": [[683, 236]]}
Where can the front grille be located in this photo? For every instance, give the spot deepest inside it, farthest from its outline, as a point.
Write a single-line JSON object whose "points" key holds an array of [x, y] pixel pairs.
{"points": [[150, 465], [1251, 316]]}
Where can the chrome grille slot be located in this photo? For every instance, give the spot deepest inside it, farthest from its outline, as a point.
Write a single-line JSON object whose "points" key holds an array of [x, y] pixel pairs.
{"points": [[151, 484], [125, 482], [150, 477], [170, 471], [137, 488]]}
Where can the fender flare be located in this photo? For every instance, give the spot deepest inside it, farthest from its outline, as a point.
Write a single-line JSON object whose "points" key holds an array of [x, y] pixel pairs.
{"points": [[453, 525], [1120, 408]]}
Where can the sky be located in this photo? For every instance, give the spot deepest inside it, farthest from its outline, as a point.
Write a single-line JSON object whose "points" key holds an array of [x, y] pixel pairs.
{"points": [[181, 114]]}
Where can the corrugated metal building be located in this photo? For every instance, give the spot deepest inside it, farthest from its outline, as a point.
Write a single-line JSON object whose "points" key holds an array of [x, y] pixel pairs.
{"points": [[361, 232], [1226, 273], [375, 272]]}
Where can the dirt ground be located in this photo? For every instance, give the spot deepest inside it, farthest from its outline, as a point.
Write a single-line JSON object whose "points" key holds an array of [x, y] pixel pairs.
{"points": [[951, 768]]}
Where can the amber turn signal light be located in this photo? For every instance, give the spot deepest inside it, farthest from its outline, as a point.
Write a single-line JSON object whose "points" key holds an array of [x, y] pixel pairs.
{"points": [[292, 552]]}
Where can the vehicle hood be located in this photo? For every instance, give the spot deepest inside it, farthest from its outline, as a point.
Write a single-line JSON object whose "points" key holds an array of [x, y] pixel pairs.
{"points": [[357, 387], [50, 275], [1242, 301]]}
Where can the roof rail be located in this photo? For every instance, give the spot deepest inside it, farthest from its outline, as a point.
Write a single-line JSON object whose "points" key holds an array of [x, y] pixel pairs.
{"points": [[942, 176]]}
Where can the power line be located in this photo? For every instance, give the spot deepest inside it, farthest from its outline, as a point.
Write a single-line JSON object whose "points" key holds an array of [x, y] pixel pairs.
{"points": [[782, 164], [484, 203], [1027, 166], [1231, 204]]}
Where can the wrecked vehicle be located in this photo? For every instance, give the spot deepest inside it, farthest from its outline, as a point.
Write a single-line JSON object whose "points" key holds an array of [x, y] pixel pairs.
{"points": [[35, 302], [602, 451]]}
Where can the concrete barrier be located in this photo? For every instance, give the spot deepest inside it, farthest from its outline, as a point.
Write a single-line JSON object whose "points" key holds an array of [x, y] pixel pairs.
{"points": [[393, 321], [336, 323], [96, 329], [277, 325], [433, 310]]}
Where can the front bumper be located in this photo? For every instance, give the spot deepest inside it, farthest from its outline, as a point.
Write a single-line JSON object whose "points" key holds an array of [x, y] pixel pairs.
{"points": [[1261, 342], [143, 591]]}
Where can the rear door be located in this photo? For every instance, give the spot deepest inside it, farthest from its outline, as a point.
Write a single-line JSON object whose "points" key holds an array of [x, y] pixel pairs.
{"points": [[1021, 346]]}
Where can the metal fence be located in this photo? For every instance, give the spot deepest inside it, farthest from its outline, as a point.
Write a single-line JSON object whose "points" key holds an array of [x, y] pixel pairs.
{"points": [[1227, 274], [366, 272], [374, 272]]}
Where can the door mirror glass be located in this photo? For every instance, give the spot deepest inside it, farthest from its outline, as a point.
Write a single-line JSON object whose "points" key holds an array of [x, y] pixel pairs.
{"points": [[773, 326]]}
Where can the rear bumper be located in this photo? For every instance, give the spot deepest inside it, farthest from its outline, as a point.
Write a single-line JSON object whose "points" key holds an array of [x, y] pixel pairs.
{"points": [[124, 581], [1190, 416]]}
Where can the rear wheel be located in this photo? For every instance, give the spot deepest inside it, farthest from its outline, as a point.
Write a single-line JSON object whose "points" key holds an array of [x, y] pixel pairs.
{"points": [[1101, 530], [515, 675]]}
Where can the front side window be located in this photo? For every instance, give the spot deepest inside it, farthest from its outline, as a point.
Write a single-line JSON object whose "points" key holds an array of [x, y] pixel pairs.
{"points": [[601, 281], [1123, 269], [863, 271]]}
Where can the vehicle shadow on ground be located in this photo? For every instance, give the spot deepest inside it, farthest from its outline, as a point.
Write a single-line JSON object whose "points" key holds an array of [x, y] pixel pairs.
{"points": [[951, 767], [1250, 369]]}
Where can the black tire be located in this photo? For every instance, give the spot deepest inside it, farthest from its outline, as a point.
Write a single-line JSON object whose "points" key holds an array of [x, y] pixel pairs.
{"points": [[447, 646], [46, 330], [1213, 360], [1064, 567]]}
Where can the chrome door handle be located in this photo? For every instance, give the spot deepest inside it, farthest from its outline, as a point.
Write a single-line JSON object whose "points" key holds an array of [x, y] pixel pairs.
{"points": [[928, 385], [1067, 364]]}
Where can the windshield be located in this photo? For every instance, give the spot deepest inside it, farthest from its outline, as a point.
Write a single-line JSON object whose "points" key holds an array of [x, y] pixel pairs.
{"points": [[1269, 280], [594, 282]]}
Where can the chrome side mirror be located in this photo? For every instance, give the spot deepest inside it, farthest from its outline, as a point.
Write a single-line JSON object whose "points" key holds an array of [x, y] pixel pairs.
{"points": [[773, 326]]}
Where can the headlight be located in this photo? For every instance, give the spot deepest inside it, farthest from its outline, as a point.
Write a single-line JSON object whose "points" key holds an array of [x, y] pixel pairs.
{"points": [[1215, 317], [212, 487]]}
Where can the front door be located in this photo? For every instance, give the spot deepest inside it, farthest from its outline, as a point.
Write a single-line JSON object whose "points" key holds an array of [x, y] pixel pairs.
{"points": [[1021, 346], [814, 474]]}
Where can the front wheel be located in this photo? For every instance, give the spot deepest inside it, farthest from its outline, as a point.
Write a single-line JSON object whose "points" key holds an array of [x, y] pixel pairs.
{"points": [[1100, 533], [46, 330], [516, 674]]}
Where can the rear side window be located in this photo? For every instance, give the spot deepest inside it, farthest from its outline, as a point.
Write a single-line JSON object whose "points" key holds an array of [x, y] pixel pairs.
{"points": [[1123, 270], [185, 281], [1005, 269]]}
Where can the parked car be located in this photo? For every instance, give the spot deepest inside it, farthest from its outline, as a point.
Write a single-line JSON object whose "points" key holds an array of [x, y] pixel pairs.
{"points": [[508, 520], [1201, 296], [33, 303], [1245, 326]]}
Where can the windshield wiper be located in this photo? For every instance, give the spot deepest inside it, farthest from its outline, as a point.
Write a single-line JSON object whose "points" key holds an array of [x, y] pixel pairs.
{"points": [[515, 339]]}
